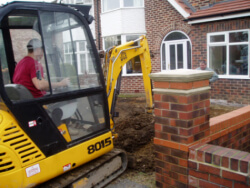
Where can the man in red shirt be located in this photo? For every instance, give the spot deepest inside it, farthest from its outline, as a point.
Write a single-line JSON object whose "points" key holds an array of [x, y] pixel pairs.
{"points": [[29, 71]]}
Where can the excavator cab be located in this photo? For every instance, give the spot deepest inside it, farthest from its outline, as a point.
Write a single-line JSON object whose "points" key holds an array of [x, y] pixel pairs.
{"points": [[44, 136]]}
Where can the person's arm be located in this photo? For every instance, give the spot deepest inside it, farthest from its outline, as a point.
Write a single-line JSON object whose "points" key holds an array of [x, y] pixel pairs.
{"points": [[214, 77], [43, 85]]}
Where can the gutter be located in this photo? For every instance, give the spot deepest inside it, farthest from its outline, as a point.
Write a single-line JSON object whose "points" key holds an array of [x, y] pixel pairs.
{"points": [[218, 17]]}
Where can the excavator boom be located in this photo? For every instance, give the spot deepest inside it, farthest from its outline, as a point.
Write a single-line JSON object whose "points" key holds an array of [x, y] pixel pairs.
{"points": [[115, 58]]}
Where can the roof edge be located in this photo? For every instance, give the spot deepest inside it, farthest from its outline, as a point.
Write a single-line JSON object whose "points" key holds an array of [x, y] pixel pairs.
{"points": [[179, 8], [218, 18]]}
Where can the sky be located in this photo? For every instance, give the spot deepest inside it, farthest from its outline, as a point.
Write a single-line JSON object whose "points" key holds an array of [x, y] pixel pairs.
{"points": [[2, 2]]}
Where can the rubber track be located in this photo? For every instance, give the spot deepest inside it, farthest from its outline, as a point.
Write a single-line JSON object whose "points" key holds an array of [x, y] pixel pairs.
{"points": [[66, 179]]}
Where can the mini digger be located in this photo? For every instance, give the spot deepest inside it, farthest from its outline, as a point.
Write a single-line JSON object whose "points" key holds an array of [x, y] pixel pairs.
{"points": [[64, 138]]}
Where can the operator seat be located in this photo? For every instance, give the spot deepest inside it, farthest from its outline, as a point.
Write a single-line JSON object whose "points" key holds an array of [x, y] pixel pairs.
{"points": [[17, 92]]}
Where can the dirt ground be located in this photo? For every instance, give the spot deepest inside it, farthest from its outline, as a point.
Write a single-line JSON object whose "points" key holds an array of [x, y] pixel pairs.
{"points": [[136, 131]]}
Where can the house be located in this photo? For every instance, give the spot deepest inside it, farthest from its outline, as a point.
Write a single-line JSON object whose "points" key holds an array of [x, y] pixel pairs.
{"points": [[181, 33]]}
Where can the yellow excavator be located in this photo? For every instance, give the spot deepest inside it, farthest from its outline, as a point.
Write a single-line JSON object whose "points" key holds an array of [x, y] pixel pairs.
{"points": [[65, 137]]}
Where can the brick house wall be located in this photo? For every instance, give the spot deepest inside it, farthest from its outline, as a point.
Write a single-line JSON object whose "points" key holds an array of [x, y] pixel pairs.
{"points": [[231, 90]]}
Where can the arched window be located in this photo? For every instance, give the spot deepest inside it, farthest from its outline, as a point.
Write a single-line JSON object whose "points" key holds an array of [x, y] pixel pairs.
{"points": [[176, 51]]}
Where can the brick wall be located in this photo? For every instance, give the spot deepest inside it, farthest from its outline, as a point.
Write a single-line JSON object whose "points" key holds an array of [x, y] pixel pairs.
{"points": [[237, 139], [132, 84], [216, 166], [211, 165], [185, 136], [232, 90]]}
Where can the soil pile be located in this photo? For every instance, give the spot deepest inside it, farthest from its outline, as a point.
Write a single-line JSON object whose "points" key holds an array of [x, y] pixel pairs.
{"points": [[136, 131]]}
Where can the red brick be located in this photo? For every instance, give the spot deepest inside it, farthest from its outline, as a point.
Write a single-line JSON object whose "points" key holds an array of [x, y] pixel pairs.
{"points": [[178, 169], [233, 176], [199, 120], [185, 116], [183, 178], [209, 169], [209, 152], [244, 164], [221, 181], [179, 153], [235, 160], [186, 132], [161, 105], [158, 177], [170, 98], [162, 149], [170, 129], [169, 114], [182, 107], [198, 105], [183, 99], [197, 174], [218, 155], [158, 127], [201, 154], [157, 97], [204, 96], [183, 162], [158, 155], [240, 185], [206, 184], [161, 135], [227, 156], [171, 159], [179, 85], [192, 164], [164, 85], [158, 112], [192, 181]]}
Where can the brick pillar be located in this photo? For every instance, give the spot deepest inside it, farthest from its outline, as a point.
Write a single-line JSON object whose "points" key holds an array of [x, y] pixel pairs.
{"points": [[181, 100]]}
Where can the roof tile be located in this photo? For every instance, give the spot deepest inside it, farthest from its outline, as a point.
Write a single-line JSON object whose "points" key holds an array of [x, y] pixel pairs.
{"points": [[230, 7]]}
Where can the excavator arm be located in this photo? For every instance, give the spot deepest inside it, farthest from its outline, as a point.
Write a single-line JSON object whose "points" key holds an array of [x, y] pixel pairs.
{"points": [[115, 58]]}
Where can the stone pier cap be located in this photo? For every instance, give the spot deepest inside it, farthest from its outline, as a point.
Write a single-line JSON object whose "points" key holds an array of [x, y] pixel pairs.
{"points": [[181, 75]]}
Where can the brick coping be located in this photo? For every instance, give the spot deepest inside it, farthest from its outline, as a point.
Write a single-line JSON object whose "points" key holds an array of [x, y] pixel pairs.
{"points": [[181, 75]]}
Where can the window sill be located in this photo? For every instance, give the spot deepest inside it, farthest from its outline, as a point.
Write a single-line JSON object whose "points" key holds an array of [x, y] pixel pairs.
{"points": [[129, 75], [122, 9], [234, 77]]}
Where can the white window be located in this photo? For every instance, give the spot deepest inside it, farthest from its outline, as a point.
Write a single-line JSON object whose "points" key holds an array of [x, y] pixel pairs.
{"points": [[112, 41], [85, 65], [68, 53], [133, 3], [176, 51], [133, 67], [108, 5], [228, 53]]}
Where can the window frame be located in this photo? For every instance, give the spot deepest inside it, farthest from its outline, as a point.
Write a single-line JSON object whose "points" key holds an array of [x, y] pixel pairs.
{"points": [[123, 41], [121, 2], [227, 44], [165, 43]]}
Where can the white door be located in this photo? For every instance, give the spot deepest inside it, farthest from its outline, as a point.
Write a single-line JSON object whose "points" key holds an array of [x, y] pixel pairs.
{"points": [[176, 55]]}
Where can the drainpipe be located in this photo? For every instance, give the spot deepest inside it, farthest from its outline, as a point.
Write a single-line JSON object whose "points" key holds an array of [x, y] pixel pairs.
{"points": [[98, 26]]}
